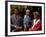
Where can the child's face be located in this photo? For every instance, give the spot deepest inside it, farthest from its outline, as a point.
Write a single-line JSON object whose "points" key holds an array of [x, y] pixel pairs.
{"points": [[27, 12]]}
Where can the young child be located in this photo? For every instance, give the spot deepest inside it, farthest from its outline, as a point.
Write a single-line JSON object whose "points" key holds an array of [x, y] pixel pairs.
{"points": [[26, 20]]}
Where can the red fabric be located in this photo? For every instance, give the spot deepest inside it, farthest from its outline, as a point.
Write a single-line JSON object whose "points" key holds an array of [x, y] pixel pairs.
{"points": [[37, 26], [35, 17]]}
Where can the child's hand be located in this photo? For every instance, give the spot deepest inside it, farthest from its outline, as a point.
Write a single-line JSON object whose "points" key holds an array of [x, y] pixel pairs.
{"points": [[24, 27], [29, 29]]}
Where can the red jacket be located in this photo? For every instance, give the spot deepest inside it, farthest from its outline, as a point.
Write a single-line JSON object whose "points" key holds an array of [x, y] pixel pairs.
{"points": [[36, 26]]}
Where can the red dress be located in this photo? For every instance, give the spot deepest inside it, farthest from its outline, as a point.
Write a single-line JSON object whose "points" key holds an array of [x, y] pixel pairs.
{"points": [[36, 25]]}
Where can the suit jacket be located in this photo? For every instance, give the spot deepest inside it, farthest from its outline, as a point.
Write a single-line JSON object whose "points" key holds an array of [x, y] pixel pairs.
{"points": [[15, 20]]}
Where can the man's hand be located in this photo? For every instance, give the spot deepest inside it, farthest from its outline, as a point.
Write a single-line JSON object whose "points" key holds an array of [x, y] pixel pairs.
{"points": [[20, 27], [17, 28]]}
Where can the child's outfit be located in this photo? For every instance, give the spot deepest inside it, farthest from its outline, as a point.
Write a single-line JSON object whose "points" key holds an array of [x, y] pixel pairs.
{"points": [[26, 21]]}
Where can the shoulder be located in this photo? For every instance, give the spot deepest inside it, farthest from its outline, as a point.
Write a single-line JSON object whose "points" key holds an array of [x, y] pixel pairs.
{"points": [[13, 15], [24, 16]]}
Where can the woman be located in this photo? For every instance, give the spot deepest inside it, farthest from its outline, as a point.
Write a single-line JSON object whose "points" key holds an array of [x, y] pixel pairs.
{"points": [[36, 23]]}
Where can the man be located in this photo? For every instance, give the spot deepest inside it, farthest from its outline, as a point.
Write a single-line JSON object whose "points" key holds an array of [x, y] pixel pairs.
{"points": [[15, 21]]}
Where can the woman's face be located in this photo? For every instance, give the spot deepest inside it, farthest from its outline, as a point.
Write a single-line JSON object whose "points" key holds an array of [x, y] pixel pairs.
{"points": [[35, 16]]}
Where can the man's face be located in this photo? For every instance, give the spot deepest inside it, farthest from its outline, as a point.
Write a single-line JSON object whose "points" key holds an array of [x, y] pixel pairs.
{"points": [[15, 11]]}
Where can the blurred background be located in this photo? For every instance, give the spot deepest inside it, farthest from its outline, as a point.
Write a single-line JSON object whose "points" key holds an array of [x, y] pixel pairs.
{"points": [[22, 9]]}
